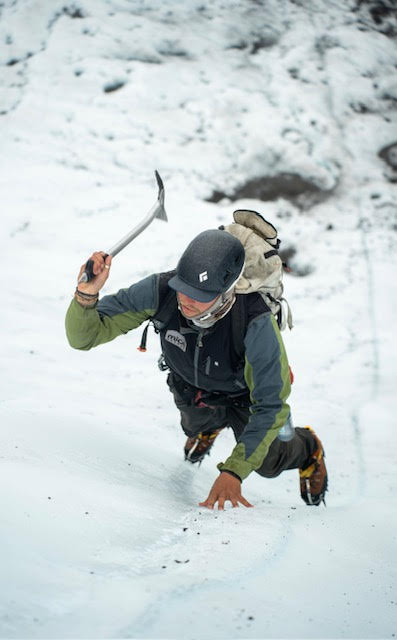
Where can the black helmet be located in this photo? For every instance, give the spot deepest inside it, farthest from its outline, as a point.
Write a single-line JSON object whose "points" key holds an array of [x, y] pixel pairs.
{"points": [[209, 266]]}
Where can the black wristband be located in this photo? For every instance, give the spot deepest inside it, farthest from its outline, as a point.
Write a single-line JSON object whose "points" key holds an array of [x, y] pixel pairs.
{"points": [[231, 473], [88, 296]]}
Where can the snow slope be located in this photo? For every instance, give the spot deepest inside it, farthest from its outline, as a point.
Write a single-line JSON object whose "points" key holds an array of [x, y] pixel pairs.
{"points": [[101, 535]]}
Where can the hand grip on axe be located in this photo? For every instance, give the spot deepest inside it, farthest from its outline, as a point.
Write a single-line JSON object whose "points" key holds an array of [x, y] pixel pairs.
{"points": [[157, 211]]}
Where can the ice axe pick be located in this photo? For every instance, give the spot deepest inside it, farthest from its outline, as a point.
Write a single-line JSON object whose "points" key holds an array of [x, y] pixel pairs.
{"points": [[157, 211]]}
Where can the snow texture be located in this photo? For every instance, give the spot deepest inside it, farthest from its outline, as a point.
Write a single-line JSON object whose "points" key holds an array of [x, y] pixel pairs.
{"points": [[282, 106]]}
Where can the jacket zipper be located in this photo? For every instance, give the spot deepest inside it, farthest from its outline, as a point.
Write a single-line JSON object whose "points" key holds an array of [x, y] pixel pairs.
{"points": [[199, 344]]}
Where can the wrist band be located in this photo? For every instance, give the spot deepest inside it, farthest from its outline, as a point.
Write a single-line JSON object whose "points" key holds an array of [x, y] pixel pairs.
{"points": [[86, 300], [86, 304], [88, 296], [231, 473]]}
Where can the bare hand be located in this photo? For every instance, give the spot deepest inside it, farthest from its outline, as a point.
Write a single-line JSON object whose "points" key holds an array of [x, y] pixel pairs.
{"points": [[101, 268], [225, 487]]}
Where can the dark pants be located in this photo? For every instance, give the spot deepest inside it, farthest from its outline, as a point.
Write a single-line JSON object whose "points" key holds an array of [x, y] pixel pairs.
{"points": [[293, 454]]}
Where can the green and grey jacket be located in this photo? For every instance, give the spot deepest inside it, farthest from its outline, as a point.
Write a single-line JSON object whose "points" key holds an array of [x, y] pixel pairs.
{"points": [[204, 358]]}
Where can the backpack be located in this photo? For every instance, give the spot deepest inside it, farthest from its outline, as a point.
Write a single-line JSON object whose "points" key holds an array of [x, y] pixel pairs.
{"points": [[263, 269]]}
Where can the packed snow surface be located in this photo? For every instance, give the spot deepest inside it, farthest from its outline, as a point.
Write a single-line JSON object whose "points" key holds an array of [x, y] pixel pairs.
{"points": [[101, 535]]}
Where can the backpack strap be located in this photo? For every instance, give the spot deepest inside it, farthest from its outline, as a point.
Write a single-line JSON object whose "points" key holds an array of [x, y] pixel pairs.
{"points": [[239, 321], [167, 302], [165, 309], [245, 309]]}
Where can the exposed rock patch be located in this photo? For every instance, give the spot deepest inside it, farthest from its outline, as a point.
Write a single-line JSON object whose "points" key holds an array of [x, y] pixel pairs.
{"points": [[291, 260], [378, 14], [114, 85], [289, 186], [389, 155]]}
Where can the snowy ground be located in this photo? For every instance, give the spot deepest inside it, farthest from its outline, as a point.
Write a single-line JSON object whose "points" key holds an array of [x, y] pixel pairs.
{"points": [[101, 535]]}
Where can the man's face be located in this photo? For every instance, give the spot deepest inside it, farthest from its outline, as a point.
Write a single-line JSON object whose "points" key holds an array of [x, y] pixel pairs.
{"points": [[191, 308]]}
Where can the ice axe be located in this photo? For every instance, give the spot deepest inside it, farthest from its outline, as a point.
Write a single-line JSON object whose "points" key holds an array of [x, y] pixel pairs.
{"points": [[157, 211]]}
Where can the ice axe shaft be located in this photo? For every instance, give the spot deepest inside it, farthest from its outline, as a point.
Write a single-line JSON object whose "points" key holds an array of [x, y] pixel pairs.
{"points": [[157, 211]]}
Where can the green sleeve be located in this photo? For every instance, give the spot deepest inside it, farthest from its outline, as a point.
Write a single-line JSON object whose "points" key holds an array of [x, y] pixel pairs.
{"points": [[113, 316]]}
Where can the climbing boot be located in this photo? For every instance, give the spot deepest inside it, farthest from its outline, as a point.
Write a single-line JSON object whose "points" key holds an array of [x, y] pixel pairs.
{"points": [[313, 476], [197, 447]]}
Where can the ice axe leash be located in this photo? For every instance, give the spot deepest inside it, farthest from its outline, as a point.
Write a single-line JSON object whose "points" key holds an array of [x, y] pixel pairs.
{"points": [[157, 211]]}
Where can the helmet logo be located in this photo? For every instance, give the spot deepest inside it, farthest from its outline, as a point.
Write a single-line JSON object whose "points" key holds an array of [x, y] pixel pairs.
{"points": [[203, 276]]}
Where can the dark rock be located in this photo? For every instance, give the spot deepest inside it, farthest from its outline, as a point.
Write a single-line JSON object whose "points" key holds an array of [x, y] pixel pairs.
{"points": [[239, 45], [294, 73], [172, 48], [289, 186], [264, 41], [325, 42], [287, 254], [292, 263], [379, 11], [378, 14], [359, 107], [389, 155], [73, 12], [113, 86]]}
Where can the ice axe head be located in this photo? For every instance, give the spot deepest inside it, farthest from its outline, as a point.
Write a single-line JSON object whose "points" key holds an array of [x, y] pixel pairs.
{"points": [[160, 214], [157, 211]]}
